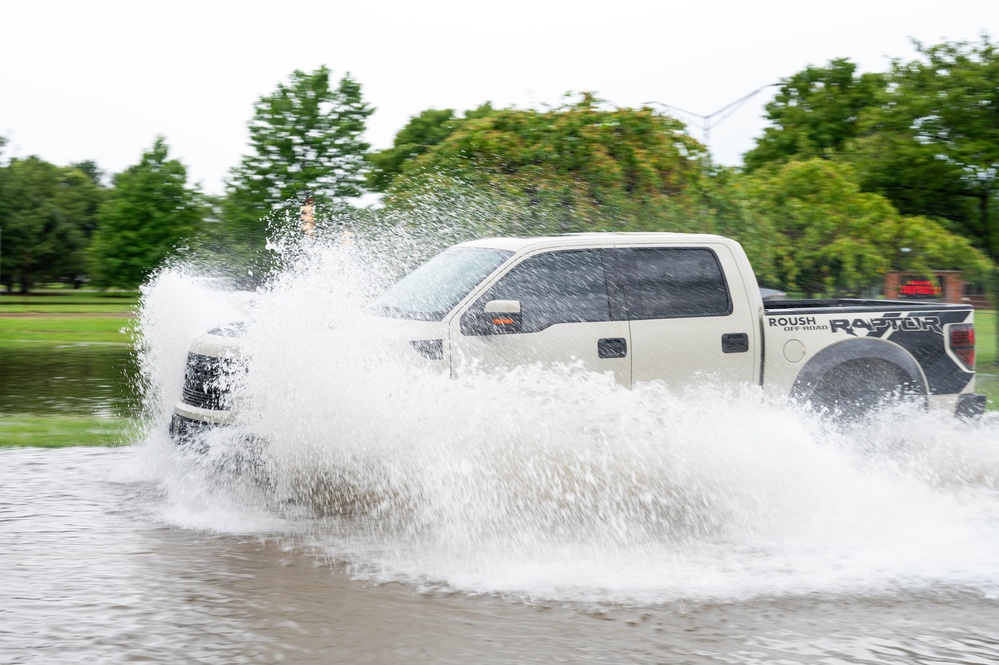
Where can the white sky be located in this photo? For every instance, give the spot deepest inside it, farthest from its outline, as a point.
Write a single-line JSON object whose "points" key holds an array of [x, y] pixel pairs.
{"points": [[100, 79]]}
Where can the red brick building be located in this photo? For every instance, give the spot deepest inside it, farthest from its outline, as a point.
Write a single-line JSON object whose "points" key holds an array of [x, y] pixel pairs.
{"points": [[944, 285]]}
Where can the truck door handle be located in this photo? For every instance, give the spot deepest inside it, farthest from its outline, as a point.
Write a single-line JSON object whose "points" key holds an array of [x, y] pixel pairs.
{"points": [[735, 343], [612, 347]]}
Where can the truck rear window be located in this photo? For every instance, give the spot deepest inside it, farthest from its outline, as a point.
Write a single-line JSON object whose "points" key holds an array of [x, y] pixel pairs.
{"points": [[674, 282]]}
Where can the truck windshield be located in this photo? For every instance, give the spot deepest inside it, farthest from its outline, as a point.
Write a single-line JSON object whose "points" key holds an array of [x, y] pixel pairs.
{"points": [[432, 290]]}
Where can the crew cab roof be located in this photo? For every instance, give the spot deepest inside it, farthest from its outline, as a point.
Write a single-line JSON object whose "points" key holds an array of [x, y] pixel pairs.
{"points": [[517, 244]]}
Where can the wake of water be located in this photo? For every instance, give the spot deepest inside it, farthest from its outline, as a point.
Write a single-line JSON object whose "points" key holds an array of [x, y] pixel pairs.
{"points": [[552, 482]]}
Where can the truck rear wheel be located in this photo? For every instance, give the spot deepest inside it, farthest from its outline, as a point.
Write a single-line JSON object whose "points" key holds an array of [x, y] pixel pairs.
{"points": [[857, 388]]}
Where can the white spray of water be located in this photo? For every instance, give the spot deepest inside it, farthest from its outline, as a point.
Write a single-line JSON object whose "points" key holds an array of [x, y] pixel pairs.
{"points": [[555, 482]]}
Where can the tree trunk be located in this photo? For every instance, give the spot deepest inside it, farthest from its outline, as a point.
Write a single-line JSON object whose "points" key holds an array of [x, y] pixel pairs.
{"points": [[25, 272]]}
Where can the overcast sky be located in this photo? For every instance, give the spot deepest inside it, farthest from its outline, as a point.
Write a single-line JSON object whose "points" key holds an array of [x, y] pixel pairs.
{"points": [[101, 79]]}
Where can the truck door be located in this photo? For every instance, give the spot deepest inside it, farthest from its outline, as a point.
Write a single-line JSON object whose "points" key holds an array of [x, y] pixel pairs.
{"points": [[687, 322], [552, 307]]}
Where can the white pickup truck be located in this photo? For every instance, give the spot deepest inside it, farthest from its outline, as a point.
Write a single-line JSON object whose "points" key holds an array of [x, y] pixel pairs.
{"points": [[662, 307]]}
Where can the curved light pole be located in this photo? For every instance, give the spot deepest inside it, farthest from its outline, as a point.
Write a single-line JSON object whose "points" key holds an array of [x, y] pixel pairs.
{"points": [[711, 120]]}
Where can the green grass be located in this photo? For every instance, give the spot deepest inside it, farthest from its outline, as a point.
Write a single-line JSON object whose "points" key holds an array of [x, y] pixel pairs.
{"points": [[54, 316], [985, 340], [62, 431], [71, 307], [69, 302], [988, 384], [73, 329], [987, 380]]}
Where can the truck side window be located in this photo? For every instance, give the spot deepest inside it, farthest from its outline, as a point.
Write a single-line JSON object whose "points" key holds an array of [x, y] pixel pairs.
{"points": [[556, 287], [677, 282]]}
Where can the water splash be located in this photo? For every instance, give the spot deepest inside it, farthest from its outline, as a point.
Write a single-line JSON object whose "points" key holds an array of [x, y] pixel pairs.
{"points": [[553, 482]]}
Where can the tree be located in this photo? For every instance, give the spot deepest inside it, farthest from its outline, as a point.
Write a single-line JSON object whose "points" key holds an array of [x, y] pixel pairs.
{"points": [[815, 113], [147, 213], [573, 168], [87, 181], [421, 134], [304, 137], [92, 171], [932, 144], [831, 238], [46, 212]]}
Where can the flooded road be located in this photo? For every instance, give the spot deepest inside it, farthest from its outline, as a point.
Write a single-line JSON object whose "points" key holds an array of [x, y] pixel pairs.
{"points": [[93, 571]]}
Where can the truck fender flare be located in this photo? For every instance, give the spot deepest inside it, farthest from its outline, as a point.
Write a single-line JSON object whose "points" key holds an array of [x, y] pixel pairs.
{"points": [[816, 369]]}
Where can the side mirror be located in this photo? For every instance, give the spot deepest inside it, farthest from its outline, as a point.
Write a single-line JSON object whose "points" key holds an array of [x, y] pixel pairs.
{"points": [[502, 307], [498, 317]]}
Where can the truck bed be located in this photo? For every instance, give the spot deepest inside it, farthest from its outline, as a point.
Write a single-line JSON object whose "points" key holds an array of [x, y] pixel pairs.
{"points": [[855, 305]]}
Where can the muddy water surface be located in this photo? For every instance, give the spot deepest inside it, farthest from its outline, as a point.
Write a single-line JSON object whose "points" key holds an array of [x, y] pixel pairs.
{"points": [[92, 572]]}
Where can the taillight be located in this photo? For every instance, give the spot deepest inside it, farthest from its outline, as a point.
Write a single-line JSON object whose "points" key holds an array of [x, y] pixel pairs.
{"points": [[962, 343]]}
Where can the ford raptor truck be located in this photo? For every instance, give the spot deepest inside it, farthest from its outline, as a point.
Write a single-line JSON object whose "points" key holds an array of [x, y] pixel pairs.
{"points": [[668, 307]]}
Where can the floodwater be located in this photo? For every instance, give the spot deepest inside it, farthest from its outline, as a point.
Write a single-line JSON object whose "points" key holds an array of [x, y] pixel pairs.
{"points": [[546, 515], [98, 566], [89, 379]]}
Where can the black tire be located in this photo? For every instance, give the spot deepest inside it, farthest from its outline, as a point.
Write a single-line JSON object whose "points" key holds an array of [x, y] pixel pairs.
{"points": [[856, 388]]}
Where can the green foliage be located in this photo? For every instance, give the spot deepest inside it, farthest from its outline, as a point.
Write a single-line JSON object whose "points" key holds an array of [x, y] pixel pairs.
{"points": [[422, 133], [46, 214], [815, 113], [925, 134], [305, 137], [149, 211], [92, 170], [80, 197], [932, 143], [574, 168], [829, 237]]}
